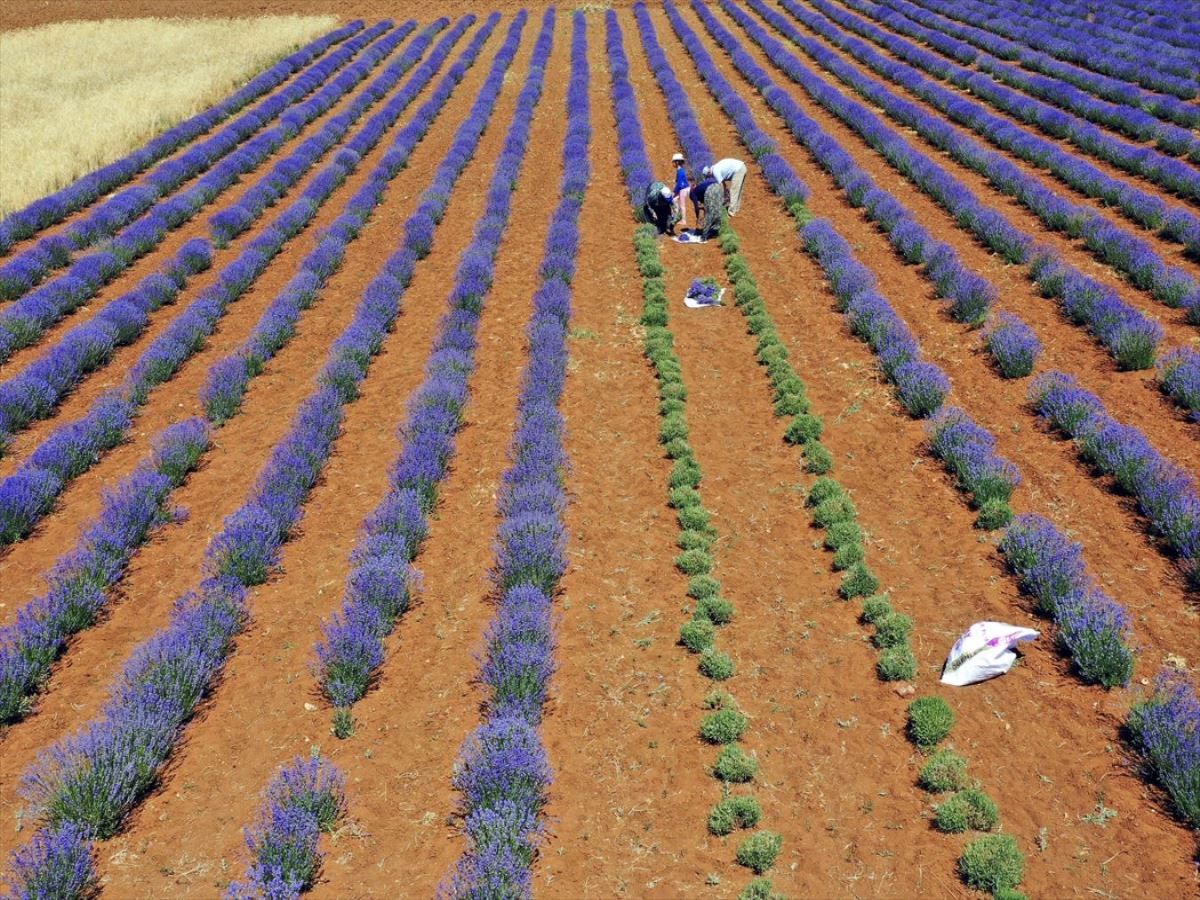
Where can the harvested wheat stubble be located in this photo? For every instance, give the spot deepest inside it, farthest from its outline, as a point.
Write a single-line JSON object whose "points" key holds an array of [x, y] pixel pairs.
{"points": [[106, 78]]}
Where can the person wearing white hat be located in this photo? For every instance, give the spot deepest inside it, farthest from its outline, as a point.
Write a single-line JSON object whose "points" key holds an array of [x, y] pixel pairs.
{"points": [[730, 174], [682, 186]]}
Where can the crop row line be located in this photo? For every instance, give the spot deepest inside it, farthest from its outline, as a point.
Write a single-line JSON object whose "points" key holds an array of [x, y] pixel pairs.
{"points": [[502, 793], [724, 725]]}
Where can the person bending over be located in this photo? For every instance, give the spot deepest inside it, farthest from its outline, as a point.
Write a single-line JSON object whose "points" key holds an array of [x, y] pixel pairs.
{"points": [[708, 202], [731, 173], [660, 211]]}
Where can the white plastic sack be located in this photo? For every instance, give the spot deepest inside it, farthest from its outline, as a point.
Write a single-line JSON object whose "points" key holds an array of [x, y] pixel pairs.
{"points": [[984, 651]]}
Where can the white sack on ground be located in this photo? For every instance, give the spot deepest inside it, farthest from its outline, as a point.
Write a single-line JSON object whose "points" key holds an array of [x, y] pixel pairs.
{"points": [[984, 651]]}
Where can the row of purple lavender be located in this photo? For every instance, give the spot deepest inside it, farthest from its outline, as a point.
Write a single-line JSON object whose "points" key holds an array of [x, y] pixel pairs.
{"points": [[502, 772]]}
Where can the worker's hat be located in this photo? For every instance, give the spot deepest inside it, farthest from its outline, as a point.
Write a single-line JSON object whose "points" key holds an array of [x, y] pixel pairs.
{"points": [[678, 157], [707, 171]]}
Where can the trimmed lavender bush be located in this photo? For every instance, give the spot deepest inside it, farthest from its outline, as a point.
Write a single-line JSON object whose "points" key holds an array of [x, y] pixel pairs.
{"points": [[921, 387], [1166, 730], [967, 450], [1093, 628], [1013, 345]]}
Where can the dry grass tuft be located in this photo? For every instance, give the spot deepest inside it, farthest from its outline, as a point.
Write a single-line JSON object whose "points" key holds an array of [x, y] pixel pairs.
{"points": [[77, 95]]}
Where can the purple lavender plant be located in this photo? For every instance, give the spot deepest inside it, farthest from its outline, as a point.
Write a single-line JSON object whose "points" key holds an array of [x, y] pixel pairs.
{"points": [[56, 863], [1166, 729], [1013, 345], [303, 800], [1179, 375]]}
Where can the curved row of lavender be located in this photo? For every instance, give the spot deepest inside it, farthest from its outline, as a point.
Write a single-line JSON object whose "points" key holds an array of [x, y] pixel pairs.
{"points": [[1146, 209], [35, 392], [378, 591], [1168, 21], [53, 208], [1018, 22], [992, 73], [1094, 629], [960, 41], [85, 785], [1131, 337], [302, 800], [28, 267], [29, 493], [1109, 243], [23, 322], [1013, 19], [1076, 49], [17, 681], [502, 772]]}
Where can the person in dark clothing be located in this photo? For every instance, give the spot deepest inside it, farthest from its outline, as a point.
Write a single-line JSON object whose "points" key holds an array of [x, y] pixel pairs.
{"points": [[659, 210], [707, 195]]}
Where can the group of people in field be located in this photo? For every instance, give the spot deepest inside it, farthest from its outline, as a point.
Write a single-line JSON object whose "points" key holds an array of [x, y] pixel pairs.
{"points": [[718, 192]]}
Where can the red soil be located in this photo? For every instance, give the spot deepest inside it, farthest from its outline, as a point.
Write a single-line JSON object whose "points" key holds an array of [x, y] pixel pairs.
{"points": [[632, 790]]}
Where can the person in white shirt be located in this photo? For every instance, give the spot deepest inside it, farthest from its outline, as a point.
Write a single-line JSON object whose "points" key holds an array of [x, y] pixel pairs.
{"points": [[730, 174]]}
